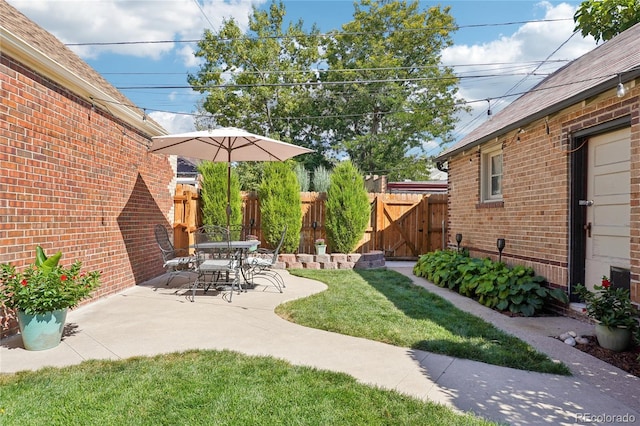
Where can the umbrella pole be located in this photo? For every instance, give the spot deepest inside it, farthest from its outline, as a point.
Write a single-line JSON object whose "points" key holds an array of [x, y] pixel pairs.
{"points": [[229, 195]]}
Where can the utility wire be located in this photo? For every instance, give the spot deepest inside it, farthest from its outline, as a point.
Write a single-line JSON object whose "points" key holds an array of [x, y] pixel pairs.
{"points": [[330, 34], [464, 102], [417, 67], [515, 86], [314, 83]]}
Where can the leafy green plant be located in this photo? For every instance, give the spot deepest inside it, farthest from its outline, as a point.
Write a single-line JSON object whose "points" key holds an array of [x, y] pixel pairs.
{"points": [[609, 306], [441, 267], [280, 205], [494, 284], [45, 286], [347, 208]]}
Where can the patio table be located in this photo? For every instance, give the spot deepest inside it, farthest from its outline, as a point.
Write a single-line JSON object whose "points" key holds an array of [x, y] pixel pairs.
{"points": [[241, 248]]}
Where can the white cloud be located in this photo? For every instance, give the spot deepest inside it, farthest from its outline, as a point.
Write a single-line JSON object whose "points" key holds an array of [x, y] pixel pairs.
{"points": [[507, 61], [174, 123], [188, 57], [107, 21]]}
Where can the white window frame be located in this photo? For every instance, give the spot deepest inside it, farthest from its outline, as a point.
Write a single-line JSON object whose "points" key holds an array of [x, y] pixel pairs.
{"points": [[488, 174]]}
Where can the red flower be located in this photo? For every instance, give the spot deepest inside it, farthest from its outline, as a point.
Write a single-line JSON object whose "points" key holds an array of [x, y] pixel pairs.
{"points": [[63, 277], [606, 283], [24, 283]]}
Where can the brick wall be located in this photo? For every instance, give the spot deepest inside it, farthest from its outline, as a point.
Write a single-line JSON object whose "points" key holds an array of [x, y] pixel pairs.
{"points": [[77, 180], [534, 215]]}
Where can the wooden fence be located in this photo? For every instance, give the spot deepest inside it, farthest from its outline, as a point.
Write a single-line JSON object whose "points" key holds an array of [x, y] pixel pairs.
{"points": [[403, 226]]}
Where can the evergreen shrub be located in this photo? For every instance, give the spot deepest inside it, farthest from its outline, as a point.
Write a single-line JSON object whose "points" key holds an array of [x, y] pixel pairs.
{"points": [[347, 208], [303, 177], [321, 179], [280, 205], [214, 195]]}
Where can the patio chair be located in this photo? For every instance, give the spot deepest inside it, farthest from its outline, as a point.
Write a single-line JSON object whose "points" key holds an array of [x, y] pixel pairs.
{"points": [[176, 261], [217, 264], [260, 265]]}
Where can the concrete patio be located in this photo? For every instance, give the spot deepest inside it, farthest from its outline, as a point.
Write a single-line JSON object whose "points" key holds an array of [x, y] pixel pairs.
{"points": [[152, 318]]}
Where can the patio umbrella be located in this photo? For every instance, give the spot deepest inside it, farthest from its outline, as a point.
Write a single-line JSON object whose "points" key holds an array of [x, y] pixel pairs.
{"points": [[227, 144]]}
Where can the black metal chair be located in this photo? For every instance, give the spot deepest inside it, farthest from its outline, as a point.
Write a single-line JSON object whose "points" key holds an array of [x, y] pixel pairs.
{"points": [[176, 261], [217, 263], [260, 265]]}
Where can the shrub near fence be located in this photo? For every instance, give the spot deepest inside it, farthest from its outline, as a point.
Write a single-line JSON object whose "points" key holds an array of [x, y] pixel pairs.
{"points": [[401, 225]]}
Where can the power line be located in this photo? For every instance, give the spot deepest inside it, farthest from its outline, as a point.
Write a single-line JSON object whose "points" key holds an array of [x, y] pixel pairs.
{"points": [[546, 60], [319, 70], [320, 35], [463, 102], [315, 83]]}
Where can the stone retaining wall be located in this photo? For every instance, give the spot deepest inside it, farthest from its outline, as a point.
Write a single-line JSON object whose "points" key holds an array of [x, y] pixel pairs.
{"points": [[371, 260]]}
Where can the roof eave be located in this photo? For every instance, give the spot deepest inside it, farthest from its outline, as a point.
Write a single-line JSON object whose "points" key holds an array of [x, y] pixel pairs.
{"points": [[593, 91], [16, 47]]}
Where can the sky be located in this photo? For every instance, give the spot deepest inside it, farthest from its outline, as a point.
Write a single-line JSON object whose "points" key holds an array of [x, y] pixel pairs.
{"points": [[517, 43]]}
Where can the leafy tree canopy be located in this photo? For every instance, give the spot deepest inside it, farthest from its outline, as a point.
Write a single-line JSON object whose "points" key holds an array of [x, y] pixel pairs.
{"points": [[604, 19], [374, 91], [386, 85]]}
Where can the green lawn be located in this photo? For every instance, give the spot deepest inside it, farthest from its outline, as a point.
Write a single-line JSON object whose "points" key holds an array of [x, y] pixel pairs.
{"points": [[207, 388], [385, 306]]}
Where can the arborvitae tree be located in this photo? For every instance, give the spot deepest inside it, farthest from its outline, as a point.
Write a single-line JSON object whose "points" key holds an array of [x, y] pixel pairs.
{"points": [[347, 208], [214, 195], [280, 205]]}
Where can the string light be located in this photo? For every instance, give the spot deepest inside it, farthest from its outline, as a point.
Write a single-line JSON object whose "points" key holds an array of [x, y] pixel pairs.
{"points": [[621, 91]]}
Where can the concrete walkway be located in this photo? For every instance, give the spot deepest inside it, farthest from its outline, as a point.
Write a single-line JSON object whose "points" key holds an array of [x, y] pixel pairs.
{"points": [[151, 319]]}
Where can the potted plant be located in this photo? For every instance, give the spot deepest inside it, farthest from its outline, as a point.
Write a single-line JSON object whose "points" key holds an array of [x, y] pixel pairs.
{"points": [[613, 313], [251, 237], [41, 295], [321, 246]]}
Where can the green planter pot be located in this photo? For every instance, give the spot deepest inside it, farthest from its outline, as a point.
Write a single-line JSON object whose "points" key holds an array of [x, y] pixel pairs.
{"points": [[615, 338], [41, 331], [321, 250]]}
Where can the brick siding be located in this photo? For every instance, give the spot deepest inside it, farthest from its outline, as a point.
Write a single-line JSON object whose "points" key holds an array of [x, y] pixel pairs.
{"points": [[534, 214], [77, 180]]}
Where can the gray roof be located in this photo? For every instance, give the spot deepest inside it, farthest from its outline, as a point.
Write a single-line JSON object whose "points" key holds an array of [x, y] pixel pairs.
{"points": [[590, 74]]}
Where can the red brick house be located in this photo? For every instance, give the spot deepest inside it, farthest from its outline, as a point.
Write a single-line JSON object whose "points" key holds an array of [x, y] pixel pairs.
{"points": [[557, 174], [75, 172]]}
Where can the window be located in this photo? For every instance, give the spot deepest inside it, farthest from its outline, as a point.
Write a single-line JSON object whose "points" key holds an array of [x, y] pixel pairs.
{"points": [[492, 174]]}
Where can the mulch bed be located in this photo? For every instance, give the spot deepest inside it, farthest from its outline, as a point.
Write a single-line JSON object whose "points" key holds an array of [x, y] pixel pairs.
{"points": [[627, 360]]}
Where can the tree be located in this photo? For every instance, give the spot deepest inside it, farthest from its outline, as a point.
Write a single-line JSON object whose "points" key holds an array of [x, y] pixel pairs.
{"points": [[260, 81], [604, 19], [374, 90], [385, 92], [214, 194], [280, 205], [347, 208]]}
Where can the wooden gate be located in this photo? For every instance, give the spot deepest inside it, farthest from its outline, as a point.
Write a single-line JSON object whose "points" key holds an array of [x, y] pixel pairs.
{"points": [[404, 226]]}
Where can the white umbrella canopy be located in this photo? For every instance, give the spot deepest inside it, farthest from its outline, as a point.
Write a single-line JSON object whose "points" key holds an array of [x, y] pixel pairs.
{"points": [[227, 144]]}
